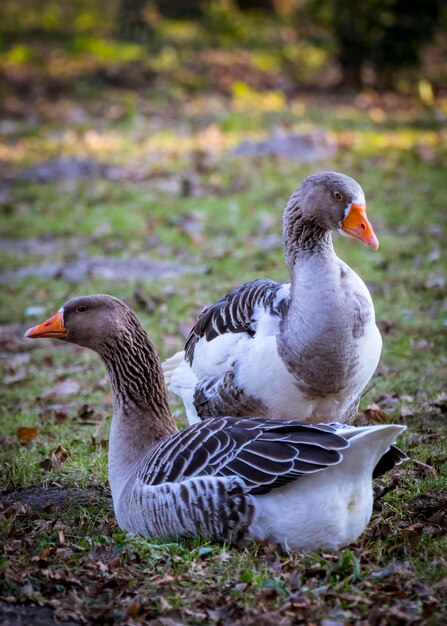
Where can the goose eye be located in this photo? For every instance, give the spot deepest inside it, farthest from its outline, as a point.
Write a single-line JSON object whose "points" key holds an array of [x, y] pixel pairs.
{"points": [[81, 308], [338, 196]]}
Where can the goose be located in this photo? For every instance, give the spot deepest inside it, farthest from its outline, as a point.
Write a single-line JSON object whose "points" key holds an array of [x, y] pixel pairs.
{"points": [[306, 347], [223, 478]]}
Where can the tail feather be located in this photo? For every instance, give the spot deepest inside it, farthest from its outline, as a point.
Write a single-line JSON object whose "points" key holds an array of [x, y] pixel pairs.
{"points": [[181, 381], [171, 364], [388, 461], [373, 445]]}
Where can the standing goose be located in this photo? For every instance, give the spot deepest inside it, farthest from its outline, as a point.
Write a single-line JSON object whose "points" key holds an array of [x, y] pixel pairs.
{"points": [[222, 478], [306, 348]]}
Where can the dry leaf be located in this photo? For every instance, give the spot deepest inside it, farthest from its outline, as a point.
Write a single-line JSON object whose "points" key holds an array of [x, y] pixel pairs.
{"points": [[17, 377], [58, 456], [86, 413], [441, 399], [406, 411], [26, 435], [133, 609], [413, 534], [439, 518], [424, 467], [417, 439], [374, 413], [46, 464]]}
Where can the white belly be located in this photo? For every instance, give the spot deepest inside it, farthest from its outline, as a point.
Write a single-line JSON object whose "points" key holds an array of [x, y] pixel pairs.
{"points": [[316, 511], [263, 374]]}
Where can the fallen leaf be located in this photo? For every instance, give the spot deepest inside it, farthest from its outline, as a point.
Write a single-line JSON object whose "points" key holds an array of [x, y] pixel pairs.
{"points": [[416, 439], [439, 518], [424, 467], [46, 464], [386, 327], [406, 411], [133, 609], [413, 534], [389, 399], [57, 457], [16, 377], [85, 412], [441, 400], [54, 414], [165, 606], [374, 413], [26, 435]]}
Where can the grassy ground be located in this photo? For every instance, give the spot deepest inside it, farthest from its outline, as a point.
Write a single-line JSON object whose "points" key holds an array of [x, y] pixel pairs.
{"points": [[175, 193]]}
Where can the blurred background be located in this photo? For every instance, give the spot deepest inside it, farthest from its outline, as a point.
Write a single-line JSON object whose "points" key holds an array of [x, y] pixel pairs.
{"points": [[49, 48], [157, 142], [147, 150], [118, 61]]}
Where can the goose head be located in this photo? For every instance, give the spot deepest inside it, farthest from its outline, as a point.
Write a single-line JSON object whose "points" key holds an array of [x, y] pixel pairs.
{"points": [[89, 321], [331, 201]]}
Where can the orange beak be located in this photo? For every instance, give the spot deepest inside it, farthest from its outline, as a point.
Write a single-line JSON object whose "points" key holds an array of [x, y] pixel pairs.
{"points": [[357, 225], [54, 327]]}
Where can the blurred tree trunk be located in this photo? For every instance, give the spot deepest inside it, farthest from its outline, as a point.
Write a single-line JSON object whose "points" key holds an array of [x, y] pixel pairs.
{"points": [[262, 5], [132, 24], [386, 35]]}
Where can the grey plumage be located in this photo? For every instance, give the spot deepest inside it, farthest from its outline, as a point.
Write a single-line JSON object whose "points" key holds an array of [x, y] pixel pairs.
{"points": [[324, 344], [235, 312], [220, 478], [201, 479]]}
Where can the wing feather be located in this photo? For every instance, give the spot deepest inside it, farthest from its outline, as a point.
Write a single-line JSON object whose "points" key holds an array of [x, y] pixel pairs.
{"points": [[272, 466], [236, 312], [264, 454]]}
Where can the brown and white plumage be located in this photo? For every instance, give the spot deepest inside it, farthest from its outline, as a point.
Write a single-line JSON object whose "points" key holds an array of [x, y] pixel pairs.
{"points": [[309, 346], [224, 478]]}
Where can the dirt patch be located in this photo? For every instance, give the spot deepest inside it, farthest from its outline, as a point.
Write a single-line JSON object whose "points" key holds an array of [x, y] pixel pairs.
{"points": [[108, 268], [40, 498], [30, 615]]}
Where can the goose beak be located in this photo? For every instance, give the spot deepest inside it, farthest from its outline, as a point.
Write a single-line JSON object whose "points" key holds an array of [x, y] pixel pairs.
{"points": [[357, 225], [52, 328]]}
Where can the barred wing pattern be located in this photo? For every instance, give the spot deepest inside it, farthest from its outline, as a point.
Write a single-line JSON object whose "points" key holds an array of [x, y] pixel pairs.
{"points": [[202, 479], [263, 453], [236, 312]]}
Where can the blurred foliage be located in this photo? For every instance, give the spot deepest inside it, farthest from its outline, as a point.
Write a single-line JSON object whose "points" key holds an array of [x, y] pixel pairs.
{"points": [[380, 35], [49, 47]]}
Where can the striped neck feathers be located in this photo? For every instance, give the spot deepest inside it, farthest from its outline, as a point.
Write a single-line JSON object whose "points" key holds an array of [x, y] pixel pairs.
{"points": [[136, 378], [302, 235]]}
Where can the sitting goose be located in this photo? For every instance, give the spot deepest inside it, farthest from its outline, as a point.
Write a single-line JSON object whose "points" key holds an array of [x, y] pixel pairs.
{"points": [[222, 478], [308, 347]]}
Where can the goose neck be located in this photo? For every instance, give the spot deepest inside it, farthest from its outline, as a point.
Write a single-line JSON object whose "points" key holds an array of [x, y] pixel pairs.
{"points": [[141, 414], [303, 238]]}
